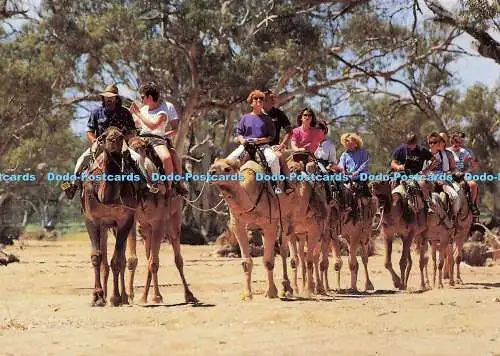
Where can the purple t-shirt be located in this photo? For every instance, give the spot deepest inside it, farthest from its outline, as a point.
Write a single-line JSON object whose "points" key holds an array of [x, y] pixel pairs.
{"points": [[255, 126]]}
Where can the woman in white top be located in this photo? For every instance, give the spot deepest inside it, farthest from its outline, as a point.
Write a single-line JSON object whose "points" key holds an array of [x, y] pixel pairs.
{"points": [[326, 153], [154, 121]]}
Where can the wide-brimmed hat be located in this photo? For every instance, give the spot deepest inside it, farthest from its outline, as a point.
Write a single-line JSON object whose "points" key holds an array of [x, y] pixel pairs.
{"points": [[110, 90]]}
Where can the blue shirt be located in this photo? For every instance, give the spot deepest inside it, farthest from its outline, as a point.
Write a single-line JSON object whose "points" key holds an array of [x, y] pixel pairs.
{"points": [[100, 119], [354, 162], [255, 126]]}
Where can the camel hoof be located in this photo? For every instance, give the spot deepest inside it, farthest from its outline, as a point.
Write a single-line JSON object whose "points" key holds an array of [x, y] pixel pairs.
{"points": [[427, 285], [451, 283], [125, 299], [190, 298], [459, 281], [397, 283], [115, 300], [369, 286], [100, 302], [286, 294], [246, 296], [158, 299], [144, 300], [353, 290], [440, 286], [272, 293]]}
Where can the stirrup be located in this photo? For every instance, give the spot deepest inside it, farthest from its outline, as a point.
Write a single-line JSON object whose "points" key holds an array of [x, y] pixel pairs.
{"points": [[153, 189]]}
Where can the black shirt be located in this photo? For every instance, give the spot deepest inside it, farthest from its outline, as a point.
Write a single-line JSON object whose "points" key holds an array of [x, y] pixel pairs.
{"points": [[413, 159], [280, 121], [100, 119]]}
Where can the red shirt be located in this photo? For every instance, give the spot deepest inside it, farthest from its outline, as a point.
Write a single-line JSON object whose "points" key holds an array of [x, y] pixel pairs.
{"points": [[309, 139]]}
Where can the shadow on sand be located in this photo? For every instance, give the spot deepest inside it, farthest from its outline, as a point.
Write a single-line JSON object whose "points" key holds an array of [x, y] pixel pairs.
{"points": [[162, 305]]}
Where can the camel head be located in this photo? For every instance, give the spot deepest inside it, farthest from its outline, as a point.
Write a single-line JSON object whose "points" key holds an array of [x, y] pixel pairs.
{"points": [[223, 167], [295, 167], [113, 140]]}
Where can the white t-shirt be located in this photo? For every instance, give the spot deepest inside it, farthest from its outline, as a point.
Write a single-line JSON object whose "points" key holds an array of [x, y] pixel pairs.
{"points": [[326, 151], [161, 129]]}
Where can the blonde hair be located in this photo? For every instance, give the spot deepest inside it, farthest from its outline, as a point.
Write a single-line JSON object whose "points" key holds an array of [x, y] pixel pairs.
{"points": [[255, 94], [351, 135]]}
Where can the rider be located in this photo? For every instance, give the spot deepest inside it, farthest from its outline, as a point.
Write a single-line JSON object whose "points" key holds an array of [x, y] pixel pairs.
{"points": [[280, 121], [464, 163], [326, 156], [258, 128], [110, 113], [354, 160], [153, 119], [442, 162], [410, 157]]}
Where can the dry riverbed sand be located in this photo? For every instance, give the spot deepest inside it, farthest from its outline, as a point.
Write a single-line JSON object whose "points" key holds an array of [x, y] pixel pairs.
{"points": [[45, 310]]}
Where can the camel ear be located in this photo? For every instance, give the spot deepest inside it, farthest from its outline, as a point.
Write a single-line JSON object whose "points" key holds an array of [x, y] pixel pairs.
{"points": [[235, 164]]}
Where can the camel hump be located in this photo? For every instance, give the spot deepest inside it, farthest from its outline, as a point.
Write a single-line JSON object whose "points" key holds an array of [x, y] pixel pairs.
{"points": [[253, 166]]}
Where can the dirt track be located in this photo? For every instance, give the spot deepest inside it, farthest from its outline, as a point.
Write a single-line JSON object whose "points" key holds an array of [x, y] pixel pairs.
{"points": [[44, 310]]}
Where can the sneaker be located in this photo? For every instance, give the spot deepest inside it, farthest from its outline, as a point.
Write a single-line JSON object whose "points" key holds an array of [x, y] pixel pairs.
{"points": [[153, 188], [278, 190]]}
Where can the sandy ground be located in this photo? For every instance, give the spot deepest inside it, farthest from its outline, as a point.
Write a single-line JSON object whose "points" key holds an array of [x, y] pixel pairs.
{"points": [[44, 310]]}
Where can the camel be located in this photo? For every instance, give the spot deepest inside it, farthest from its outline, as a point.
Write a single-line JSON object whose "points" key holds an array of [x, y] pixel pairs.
{"points": [[308, 223], [108, 205], [355, 227], [251, 205], [157, 214], [463, 224], [439, 233], [403, 215]]}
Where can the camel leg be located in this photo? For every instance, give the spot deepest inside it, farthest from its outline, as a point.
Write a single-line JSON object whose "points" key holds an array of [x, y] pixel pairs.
{"points": [[451, 263], [123, 266], [269, 237], [443, 246], [94, 231], [388, 262], [132, 259], [353, 262], [179, 263], [294, 261], [247, 263], [325, 246], [364, 258], [338, 260], [287, 288], [146, 238], [422, 247], [459, 245], [318, 285], [104, 260], [302, 260], [434, 262], [154, 261], [404, 262]]}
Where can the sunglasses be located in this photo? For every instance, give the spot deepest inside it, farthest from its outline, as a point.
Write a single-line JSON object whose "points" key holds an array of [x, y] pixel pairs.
{"points": [[258, 99], [433, 143], [306, 115]]}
